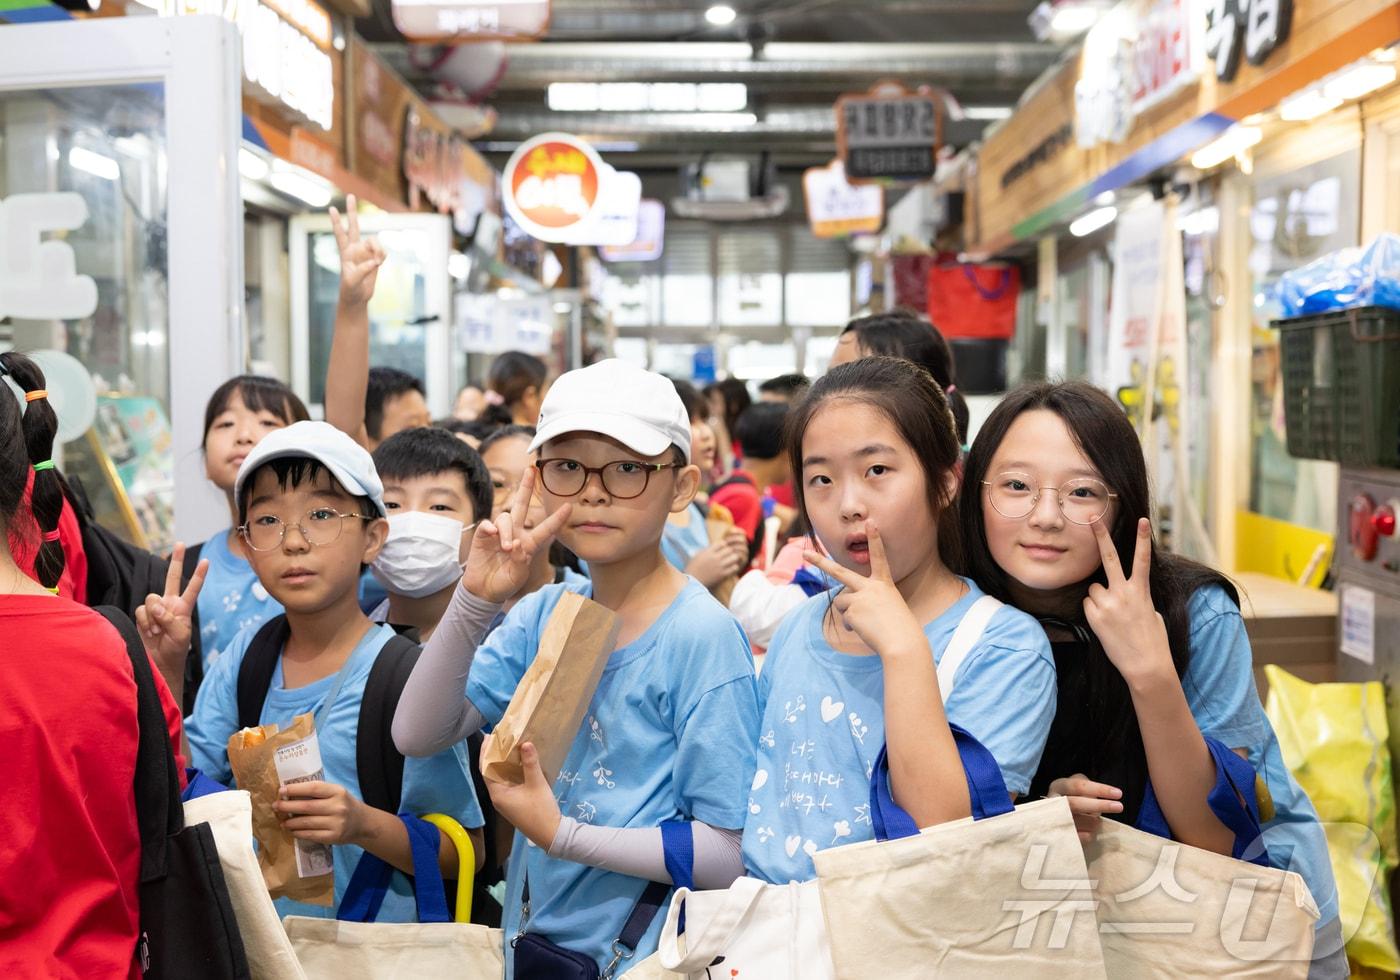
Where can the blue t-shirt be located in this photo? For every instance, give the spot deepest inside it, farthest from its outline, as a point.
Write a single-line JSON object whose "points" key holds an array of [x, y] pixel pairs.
{"points": [[669, 735], [824, 724], [1224, 700], [231, 601], [438, 784], [680, 544]]}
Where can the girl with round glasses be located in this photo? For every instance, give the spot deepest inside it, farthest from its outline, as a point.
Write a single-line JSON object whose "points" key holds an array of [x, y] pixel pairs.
{"points": [[1154, 671]]}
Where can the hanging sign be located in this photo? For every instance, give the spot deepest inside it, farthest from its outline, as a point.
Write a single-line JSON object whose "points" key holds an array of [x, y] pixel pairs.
{"points": [[38, 277], [1253, 28], [616, 217], [889, 133], [552, 185], [471, 20], [647, 246], [837, 208]]}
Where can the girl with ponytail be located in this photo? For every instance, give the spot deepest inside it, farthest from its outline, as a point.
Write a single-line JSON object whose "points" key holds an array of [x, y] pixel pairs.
{"points": [[68, 720]]}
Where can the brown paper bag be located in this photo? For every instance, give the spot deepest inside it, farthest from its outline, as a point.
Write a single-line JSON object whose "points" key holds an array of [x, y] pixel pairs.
{"points": [[549, 703], [717, 525], [298, 870]]}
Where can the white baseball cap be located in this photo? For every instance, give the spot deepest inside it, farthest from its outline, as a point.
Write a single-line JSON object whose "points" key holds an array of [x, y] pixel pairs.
{"points": [[613, 398], [347, 461]]}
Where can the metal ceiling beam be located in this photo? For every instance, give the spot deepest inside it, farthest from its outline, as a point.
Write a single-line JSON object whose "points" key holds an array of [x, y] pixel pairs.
{"points": [[945, 63]]}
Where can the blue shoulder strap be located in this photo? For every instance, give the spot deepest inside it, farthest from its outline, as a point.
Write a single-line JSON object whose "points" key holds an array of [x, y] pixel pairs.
{"points": [[1234, 782], [370, 882], [985, 786]]}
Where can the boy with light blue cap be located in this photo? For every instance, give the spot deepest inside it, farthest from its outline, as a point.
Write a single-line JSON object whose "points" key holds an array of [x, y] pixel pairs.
{"points": [[311, 512]]}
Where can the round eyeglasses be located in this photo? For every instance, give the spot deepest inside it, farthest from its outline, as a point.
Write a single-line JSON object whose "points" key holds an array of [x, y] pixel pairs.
{"points": [[1084, 500], [622, 479], [320, 526]]}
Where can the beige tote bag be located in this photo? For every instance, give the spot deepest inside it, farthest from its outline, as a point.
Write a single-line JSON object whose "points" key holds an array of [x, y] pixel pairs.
{"points": [[1169, 910], [230, 818]]}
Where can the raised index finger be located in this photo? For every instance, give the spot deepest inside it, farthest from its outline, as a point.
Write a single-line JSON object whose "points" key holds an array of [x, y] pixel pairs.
{"points": [[338, 227], [1108, 552], [520, 506], [175, 569], [879, 561], [1142, 552]]}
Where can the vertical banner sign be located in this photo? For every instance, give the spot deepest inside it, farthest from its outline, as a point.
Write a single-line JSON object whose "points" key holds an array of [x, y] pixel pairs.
{"points": [[889, 133], [552, 185], [471, 20], [837, 208]]}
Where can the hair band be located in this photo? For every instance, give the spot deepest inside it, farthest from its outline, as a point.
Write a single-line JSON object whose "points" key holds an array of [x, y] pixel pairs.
{"points": [[53, 535], [36, 394], [45, 465], [950, 389], [52, 590], [494, 398]]}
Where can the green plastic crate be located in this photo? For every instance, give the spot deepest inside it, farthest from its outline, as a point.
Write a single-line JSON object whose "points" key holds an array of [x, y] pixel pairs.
{"points": [[1341, 385]]}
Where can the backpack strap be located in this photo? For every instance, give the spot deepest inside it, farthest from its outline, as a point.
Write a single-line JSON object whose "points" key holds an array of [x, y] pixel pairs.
{"points": [[974, 624], [378, 762], [194, 663], [159, 814], [258, 666]]}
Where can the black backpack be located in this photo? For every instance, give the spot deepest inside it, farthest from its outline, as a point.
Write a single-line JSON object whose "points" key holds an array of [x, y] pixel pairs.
{"points": [[194, 664], [188, 928], [119, 573], [378, 762]]}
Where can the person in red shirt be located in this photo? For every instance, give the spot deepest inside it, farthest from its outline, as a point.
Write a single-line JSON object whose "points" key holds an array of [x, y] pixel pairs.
{"points": [[70, 853], [745, 494]]}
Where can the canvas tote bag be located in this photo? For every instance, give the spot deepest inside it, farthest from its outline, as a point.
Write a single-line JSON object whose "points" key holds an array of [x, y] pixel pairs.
{"points": [[777, 932], [355, 947]]}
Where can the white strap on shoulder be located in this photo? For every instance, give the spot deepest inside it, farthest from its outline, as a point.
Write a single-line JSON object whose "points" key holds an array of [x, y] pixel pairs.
{"points": [[965, 637]]}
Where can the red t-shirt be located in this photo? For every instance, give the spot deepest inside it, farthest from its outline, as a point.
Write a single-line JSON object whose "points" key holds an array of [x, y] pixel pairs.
{"points": [[70, 852], [739, 495]]}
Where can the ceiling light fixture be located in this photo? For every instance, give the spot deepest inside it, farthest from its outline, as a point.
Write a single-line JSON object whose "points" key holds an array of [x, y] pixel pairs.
{"points": [[721, 15], [1093, 221], [252, 166], [1359, 79], [1307, 105], [96, 164], [302, 185]]}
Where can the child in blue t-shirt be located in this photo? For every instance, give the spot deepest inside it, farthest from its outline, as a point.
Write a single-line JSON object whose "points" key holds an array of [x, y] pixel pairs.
{"points": [[1151, 649], [311, 512], [670, 732], [240, 413], [875, 453]]}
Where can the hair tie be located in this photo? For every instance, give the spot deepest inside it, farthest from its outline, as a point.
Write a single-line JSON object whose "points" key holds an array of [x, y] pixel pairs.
{"points": [[45, 465], [36, 394], [494, 398], [950, 389], [53, 535], [53, 590]]}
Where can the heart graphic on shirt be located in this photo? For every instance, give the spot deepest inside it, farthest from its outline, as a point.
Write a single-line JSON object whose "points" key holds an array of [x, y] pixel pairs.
{"points": [[810, 848], [831, 710], [842, 828], [792, 844], [760, 779]]}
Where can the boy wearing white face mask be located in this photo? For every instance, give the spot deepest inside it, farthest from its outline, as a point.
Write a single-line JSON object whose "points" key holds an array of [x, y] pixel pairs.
{"points": [[436, 488]]}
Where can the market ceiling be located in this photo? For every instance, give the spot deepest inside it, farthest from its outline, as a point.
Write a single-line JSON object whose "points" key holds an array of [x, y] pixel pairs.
{"points": [[795, 57]]}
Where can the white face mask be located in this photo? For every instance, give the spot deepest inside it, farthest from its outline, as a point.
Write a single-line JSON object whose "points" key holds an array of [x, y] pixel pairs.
{"points": [[422, 554]]}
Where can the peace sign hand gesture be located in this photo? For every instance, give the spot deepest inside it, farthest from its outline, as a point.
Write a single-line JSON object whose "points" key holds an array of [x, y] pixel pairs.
{"points": [[166, 621], [1122, 615], [498, 565], [360, 258], [871, 606]]}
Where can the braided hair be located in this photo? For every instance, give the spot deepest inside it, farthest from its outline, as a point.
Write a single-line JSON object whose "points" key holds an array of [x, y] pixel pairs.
{"points": [[36, 425]]}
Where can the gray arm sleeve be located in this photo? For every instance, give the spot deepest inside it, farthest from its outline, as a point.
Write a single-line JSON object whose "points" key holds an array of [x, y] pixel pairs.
{"points": [[434, 711], [637, 851]]}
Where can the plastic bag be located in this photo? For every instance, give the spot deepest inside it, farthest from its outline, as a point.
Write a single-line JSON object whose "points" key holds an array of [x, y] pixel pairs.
{"points": [[1344, 279], [1334, 740]]}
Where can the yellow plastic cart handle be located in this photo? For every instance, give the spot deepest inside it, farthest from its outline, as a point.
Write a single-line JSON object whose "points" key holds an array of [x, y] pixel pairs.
{"points": [[466, 861]]}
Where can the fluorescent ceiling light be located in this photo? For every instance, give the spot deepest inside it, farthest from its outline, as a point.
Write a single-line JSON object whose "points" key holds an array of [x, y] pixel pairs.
{"points": [[96, 164], [301, 185], [1233, 142], [1307, 105], [1093, 221], [721, 15], [1072, 18], [1358, 79], [1105, 199], [987, 112], [647, 97], [250, 165]]}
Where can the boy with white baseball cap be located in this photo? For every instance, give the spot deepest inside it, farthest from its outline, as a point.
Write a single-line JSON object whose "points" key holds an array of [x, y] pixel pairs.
{"points": [[311, 514], [670, 734]]}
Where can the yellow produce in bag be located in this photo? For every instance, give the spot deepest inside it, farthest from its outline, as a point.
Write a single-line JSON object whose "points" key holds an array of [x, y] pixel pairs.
{"points": [[1334, 740]]}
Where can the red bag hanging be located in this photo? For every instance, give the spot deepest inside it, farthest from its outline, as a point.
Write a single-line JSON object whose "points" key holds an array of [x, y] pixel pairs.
{"points": [[968, 301]]}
